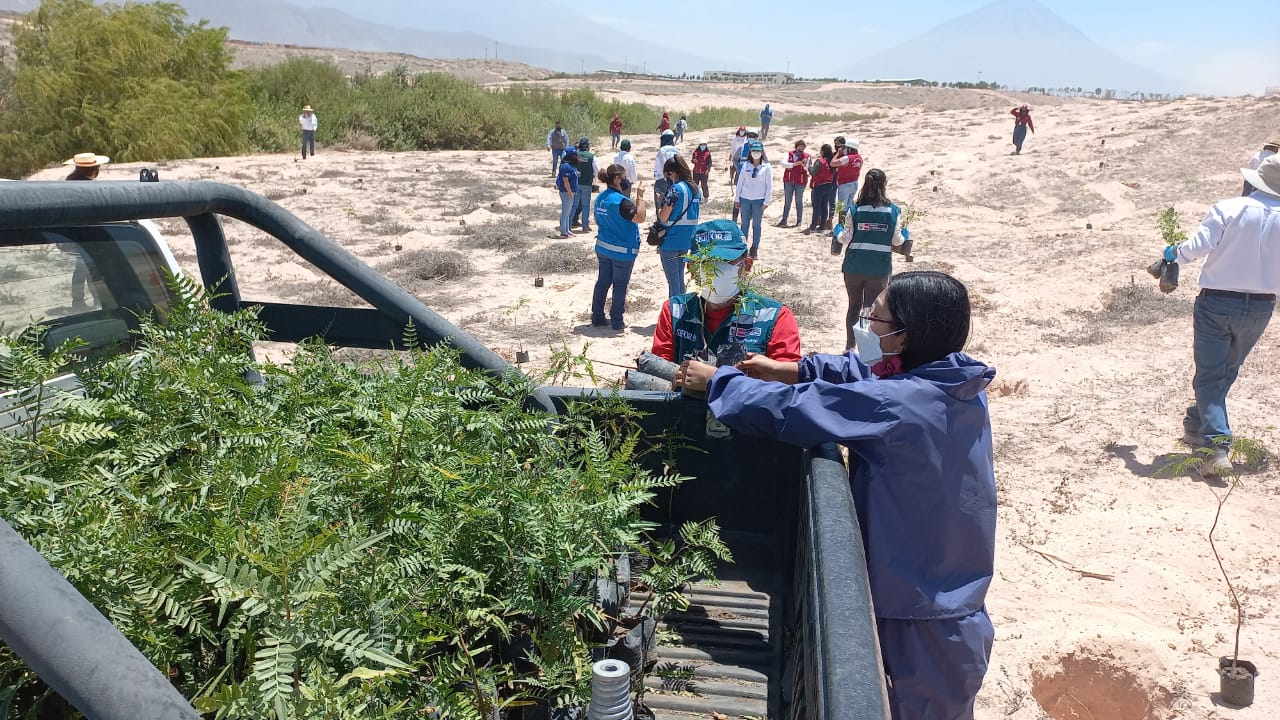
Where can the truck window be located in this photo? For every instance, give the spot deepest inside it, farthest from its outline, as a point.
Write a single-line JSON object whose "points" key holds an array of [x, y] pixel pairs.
{"points": [[90, 282]]}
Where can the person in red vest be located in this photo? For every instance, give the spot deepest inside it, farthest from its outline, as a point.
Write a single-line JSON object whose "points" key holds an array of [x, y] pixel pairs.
{"points": [[1021, 123], [665, 124], [615, 130], [702, 169], [794, 179]]}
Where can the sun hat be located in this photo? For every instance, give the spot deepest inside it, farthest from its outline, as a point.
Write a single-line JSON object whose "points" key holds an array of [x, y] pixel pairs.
{"points": [[88, 160], [720, 239], [851, 143], [1267, 177], [1273, 142], [307, 108]]}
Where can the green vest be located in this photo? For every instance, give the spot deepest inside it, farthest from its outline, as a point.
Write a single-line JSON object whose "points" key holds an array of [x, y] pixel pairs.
{"points": [[751, 325], [870, 249], [585, 160]]}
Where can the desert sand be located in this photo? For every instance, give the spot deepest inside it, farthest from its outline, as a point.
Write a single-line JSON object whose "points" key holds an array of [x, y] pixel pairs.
{"points": [[1107, 601]]}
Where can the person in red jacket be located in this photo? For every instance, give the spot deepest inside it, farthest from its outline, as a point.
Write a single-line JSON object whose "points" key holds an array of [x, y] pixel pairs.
{"points": [[848, 164], [702, 169], [615, 130], [1021, 123], [794, 180], [822, 190], [665, 123]]}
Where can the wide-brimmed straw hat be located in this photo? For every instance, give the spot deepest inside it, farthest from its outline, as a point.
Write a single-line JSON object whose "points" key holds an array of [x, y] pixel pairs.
{"points": [[88, 160], [307, 108], [1267, 177], [1273, 142]]}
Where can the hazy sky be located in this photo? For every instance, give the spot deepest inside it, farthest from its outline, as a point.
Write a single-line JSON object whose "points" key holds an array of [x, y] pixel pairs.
{"points": [[1226, 46]]}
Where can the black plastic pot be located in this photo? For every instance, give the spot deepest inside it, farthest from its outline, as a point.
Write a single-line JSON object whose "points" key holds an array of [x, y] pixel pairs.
{"points": [[1235, 681], [1166, 272], [638, 648]]}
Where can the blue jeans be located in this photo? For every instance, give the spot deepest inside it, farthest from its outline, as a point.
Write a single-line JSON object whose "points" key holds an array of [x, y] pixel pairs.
{"points": [[582, 207], [820, 197], [846, 194], [616, 138], [790, 190], [615, 274], [673, 268], [1225, 330], [752, 214], [555, 160], [566, 210], [308, 141]]}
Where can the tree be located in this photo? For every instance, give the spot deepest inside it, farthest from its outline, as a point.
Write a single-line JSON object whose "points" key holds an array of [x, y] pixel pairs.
{"points": [[136, 82]]}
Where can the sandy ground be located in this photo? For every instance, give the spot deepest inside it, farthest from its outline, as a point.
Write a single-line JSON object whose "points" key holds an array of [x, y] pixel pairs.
{"points": [[1107, 601]]}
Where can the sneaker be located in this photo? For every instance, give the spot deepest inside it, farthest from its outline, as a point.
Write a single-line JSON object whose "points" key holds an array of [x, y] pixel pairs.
{"points": [[1217, 464], [752, 253], [781, 224], [565, 236]]}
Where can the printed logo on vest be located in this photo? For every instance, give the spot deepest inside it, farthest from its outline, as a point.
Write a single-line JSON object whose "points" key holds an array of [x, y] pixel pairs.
{"points": [[686, 335], [872, 227]]}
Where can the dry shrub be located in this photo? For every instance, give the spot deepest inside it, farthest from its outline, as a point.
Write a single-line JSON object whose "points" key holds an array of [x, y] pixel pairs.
{"points": [[1009, 388], [560, 257], [333, 173], [1135, 305], [502, 236], [359, 140], [429, 264], [275, 194]]}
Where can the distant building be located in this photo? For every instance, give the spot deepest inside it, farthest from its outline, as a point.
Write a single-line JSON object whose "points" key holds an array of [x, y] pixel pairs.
{"points": [[1275, 90], [768, 78]]}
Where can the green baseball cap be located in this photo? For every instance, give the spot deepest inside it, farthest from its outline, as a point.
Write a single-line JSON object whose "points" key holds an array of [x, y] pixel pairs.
{"points": [[720, 239]]}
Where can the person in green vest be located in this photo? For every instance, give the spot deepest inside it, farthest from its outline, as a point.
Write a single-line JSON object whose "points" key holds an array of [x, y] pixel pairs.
{"points": [[867, 236], [722, 324], [588, 170]]}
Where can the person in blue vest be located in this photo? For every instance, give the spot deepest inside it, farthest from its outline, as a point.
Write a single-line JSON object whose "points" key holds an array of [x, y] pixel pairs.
{"points": [[721, 319], [766, 117], [617, 244], [867, 236], [679, 210], [567, 184], [911, 408]]}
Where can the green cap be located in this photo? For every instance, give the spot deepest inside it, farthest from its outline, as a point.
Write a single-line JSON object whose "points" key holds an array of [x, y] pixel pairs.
{"points": [[720, 239]]}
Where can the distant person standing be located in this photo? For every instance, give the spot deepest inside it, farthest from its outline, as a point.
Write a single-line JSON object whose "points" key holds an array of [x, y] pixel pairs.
{"points": [[588, 169], [754, 191], [681, 126], [86, 167], [666, 151], [848, 165], [665, 123], [1240, 241], [870, 232], [309, 122], [557, 143], [1268, 149], [626, 160], [1021, 123], [766, 117], [617, 245], [567, 183], [735, 153], [615, 131], [822, 188], [702, 168], [794, 179]]}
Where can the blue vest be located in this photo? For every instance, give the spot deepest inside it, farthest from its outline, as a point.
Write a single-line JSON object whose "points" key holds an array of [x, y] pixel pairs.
{"points": [[751, 324], [618, 238], [680, 237]]}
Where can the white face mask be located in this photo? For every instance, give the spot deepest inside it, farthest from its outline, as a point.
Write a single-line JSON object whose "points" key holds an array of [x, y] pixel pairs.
{"points": [[724, 284], [756, 156], [869, 343]]}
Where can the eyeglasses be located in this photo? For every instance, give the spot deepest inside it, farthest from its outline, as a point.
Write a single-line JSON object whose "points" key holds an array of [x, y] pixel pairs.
{"points": [[868, 317]]}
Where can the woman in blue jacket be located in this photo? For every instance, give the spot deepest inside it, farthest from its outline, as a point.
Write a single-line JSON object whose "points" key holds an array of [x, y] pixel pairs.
{"points": [[912, 410], [617, 244]]}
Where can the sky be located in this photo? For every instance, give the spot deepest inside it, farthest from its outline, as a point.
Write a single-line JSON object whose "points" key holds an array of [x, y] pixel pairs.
{"points": [[1217, 47]]}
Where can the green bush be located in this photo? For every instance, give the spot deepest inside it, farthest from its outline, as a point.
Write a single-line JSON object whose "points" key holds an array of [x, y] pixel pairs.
{"points": [[136, 82], [341, 541]]}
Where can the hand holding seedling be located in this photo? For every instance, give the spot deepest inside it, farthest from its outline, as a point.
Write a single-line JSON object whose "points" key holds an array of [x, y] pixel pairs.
{"points": [[694, 375]]}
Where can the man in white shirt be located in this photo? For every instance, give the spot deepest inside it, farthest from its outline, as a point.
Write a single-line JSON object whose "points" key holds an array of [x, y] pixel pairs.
{"points": [[309, 123], [1269, 149], [1240, 241], [666, 150], [626, 160]]}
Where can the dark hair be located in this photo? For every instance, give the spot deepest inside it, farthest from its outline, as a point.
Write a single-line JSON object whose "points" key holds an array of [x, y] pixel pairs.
{"points": [[84, 173], [872, 190], [800, 142], [678, 166], [827, 152], [612, 174], [933, 308], [839, 140]]}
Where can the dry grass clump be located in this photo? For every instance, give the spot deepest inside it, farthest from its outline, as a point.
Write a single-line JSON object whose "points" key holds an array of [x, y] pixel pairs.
{"points": [[1136, 305], [558, 257], [429, 264], [501, 236]]}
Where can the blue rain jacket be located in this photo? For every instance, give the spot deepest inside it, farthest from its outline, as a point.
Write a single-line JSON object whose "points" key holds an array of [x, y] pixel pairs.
{"points": [[921, 468]]}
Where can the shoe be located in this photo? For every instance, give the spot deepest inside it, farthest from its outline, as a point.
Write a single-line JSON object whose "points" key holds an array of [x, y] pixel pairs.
{"points": [[618, 327], [576, 226], [1192, 439], [565, 236], [1217, 464], [586, 229], [752, 253], [781, 224], [601, 322], [809, 230], [571, 234]]}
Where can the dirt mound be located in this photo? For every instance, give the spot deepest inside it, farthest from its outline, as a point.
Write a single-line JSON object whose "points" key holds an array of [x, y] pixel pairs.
{"points": [[1091, 684]]}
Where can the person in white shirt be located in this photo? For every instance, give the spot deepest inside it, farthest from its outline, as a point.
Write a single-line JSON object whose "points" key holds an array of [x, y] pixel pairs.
{"points": [[735, 153], [627, 161], [1269, 149], [753, 192], [666, 150], [309, 123], [1240, 241]]}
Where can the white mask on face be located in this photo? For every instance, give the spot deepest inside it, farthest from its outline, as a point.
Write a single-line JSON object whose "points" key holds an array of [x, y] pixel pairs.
{"points": [[756, 156], [724, 284], [868, 343]]}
